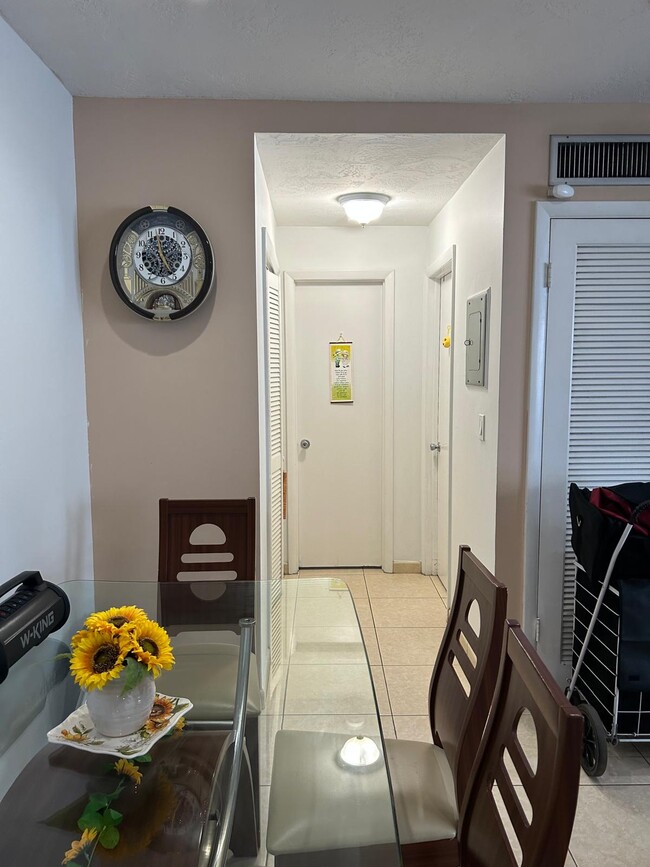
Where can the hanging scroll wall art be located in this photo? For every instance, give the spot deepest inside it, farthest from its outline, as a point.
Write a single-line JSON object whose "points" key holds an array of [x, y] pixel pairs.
{"points": [[341, 373]]}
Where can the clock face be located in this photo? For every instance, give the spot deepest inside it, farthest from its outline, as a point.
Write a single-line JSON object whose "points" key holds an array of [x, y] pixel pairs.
{"points": [[161, 263]]}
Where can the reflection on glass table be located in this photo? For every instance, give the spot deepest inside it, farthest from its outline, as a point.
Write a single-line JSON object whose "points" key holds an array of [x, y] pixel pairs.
{"points": [[308, 673]]}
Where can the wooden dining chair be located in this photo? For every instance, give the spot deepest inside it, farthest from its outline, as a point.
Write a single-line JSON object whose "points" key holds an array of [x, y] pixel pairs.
{"points": [[428, 780], [521, 803], [209, 541]]}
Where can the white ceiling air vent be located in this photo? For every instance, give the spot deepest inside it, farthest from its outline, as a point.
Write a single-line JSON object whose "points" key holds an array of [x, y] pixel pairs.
{"points": [[594, 160]]}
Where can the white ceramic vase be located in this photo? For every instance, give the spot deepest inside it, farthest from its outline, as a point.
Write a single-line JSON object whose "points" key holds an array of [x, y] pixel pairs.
{"points": [[116, 714]]}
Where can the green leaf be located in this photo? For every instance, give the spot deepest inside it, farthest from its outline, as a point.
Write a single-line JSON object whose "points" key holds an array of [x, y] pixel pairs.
{"points": [[97, 802], [112, 817], [73, 864], [109, 837], [90, 819], [143, 760], [135, 671], [63, 656]]}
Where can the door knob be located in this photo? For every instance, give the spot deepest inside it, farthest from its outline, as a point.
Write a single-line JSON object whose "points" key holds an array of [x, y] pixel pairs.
{"points": [[435, 447], [304, 444]]}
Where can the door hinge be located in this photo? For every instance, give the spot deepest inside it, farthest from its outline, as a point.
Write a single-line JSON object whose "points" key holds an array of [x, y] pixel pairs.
{"points": [[537, 631], [547, 275]]}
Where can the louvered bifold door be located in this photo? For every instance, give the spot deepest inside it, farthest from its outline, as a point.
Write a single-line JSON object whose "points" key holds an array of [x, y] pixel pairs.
{"points": [[597, 391], [275, 416]]}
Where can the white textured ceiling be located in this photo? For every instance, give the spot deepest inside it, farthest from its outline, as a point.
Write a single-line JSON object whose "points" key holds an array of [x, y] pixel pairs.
{"points": [[305, 173], [434, 50]]}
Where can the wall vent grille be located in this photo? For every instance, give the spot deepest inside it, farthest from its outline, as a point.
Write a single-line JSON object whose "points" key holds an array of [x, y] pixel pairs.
{"points": [[594, 160]]}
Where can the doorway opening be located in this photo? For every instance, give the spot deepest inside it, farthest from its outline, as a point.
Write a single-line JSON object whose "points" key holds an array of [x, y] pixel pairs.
{"points": [[355, 482]]}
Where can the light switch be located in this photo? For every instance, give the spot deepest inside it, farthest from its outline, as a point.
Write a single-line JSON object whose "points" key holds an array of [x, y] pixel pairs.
{"points": [[481, 426]]}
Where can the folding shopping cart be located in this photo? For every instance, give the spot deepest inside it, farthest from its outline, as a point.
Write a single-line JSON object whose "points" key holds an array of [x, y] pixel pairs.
{"points": [[611, 634]]}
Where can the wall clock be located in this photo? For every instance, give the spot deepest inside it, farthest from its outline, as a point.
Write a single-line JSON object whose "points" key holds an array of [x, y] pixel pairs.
{"points": [[161, 263]]}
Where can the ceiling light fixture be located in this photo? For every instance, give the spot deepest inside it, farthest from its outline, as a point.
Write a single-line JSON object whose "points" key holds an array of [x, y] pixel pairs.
{"points": [[363, 207]]}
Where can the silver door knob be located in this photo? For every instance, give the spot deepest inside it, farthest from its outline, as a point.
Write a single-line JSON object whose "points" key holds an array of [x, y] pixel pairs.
{"points": [[435, 447], [304, 444]]}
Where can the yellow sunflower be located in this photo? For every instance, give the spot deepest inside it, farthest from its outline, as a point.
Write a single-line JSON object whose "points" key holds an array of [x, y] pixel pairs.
{"points": [[115, 620], [128, 769], [151, 645], [97, 658], [78, 846], [163, 708]]}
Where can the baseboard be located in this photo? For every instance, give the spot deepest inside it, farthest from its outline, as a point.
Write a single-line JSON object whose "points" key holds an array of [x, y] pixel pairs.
{"points": [[411, 566]]}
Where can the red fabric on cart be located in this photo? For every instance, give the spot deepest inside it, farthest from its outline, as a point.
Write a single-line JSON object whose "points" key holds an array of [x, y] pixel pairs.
{"points": [[611, 504]]}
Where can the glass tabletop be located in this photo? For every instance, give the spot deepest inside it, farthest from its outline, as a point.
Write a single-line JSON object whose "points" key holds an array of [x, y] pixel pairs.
{"points": [[315, 752]]}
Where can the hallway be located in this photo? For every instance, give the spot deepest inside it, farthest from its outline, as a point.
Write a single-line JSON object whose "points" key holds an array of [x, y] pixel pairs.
{"points": [[403, 619]]}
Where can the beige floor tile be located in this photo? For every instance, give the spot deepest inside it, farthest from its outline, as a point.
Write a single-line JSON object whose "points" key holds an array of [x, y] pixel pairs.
{"points": [[269, 726], [262, 856], [625, 767], [413, 728], [331, 573], [402, 645], [408, 689], [644, 749], [336, 609], [323, 585], [611, 827], [329, 689], [364, 613], [372, 648], [428, 612], [327, 645], [569, 861], [388, 727], [381, 691], [347, 724], [440, 587], [400, 586], [275, 698]]}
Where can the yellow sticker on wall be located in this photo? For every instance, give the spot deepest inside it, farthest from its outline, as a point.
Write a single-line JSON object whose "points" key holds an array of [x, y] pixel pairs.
{"points": [[340, 373]]}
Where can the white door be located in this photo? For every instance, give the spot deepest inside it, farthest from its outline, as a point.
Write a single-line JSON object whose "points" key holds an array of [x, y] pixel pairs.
{"points": [[340, 471], [444, 419], [275, 439], [597, 394]]}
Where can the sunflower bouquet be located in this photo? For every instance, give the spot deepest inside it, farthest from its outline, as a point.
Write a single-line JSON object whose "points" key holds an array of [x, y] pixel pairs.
{"points": [[116, 641]]}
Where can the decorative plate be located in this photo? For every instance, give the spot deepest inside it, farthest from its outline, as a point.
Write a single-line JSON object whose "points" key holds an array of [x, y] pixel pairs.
{"points": [[78, 731]]}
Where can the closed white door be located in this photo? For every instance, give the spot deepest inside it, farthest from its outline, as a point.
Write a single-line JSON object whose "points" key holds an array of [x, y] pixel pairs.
{"points": [[275, 440], [597, 394], [442, 455], [340, 461]]}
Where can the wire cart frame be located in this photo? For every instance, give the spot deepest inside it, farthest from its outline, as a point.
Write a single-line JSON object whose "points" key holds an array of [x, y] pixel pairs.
{"points": [[610, 714]]}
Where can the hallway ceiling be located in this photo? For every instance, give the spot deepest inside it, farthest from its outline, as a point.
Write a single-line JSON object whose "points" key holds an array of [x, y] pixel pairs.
{"points": [[410, 50], [306, 172]]}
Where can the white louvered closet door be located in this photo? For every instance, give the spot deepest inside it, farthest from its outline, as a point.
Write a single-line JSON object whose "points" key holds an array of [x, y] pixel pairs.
{"points": [[275, 556], [597, 393]]}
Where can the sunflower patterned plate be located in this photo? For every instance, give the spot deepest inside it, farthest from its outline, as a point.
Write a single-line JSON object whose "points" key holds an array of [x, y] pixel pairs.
{"points": [[78, 731]]}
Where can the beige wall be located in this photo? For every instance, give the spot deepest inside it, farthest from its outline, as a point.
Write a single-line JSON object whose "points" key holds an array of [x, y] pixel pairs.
{"points": [[173, 409]]}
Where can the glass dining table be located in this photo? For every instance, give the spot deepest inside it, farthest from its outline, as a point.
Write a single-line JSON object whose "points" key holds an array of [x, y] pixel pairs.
{"points": [[188, 803]]}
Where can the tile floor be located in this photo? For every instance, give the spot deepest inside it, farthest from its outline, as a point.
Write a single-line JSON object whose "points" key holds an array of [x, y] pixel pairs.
{"points": [[403, 618]]}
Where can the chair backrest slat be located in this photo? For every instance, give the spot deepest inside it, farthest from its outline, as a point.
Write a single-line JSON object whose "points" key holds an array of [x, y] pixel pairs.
{"points": [[462, 688], [519, 809], [196, 538]]}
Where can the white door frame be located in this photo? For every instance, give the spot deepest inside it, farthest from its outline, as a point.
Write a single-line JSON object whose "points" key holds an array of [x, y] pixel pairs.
{"points": [[443, 266], [545, 212], [385, 281]]}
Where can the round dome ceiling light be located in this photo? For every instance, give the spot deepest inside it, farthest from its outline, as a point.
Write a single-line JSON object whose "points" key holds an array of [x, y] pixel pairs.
{"points": [[363, 207]]}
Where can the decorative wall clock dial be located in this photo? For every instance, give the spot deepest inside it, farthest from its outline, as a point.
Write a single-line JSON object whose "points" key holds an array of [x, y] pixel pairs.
{"points": [[161, 263]]}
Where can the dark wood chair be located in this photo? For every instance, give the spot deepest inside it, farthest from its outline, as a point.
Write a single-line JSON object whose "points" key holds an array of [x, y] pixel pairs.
{"points": [[200, 540], [521, 803], [428, 780], [234, 550], [461, 692]]}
